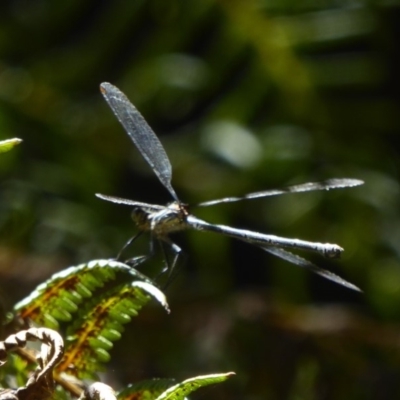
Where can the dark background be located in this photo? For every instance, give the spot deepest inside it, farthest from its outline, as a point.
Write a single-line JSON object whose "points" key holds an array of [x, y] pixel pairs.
{"points": [[245, 96]]}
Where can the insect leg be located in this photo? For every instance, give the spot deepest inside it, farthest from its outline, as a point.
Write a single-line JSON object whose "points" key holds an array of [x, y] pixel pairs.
{"points": [[170, 265], [127, 244]]}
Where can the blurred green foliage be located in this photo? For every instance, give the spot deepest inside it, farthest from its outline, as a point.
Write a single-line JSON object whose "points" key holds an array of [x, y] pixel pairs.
{"points": [[245, 96]]}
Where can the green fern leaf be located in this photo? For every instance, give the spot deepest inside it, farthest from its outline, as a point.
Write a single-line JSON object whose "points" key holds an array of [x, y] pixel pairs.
{"points": [[165, 389], [60, 296], [99, 323], [145, 390], [181, 390]]}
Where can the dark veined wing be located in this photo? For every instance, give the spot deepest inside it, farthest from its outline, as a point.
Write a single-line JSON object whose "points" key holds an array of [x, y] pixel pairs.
{"points": [[141, 134], [304, 187], [133, 203], [301, 262]]}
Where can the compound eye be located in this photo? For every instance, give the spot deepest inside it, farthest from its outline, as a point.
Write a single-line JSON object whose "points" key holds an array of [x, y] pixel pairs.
{"points": [[138, 215]]}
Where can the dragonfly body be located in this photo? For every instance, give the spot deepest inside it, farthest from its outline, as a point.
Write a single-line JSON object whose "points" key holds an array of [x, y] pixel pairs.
{"points": [[264, 240], [161, 221]]}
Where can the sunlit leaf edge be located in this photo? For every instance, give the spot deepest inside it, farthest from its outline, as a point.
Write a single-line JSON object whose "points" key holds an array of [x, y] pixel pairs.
{"points": [[181, 390], [61, 295], [147, 389]]}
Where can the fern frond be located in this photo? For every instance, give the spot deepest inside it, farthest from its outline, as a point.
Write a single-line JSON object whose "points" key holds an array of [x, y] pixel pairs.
{"points": [[60, 296], [165, 389], [40, 384], [100, 323], [148, 389], [50, 357], [183, 389]]}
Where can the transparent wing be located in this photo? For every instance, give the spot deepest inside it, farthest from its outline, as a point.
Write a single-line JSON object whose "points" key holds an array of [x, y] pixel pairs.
{"points": [[141, 134], [120, 200], [301, 262], [305, 187]]}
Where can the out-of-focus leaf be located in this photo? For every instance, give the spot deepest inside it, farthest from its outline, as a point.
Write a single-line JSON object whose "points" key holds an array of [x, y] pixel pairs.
{"points": [[7, 145], [98, 391]]}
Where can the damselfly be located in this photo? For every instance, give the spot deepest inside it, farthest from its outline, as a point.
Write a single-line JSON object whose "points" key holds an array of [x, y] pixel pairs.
{"points": [[160, 221]]}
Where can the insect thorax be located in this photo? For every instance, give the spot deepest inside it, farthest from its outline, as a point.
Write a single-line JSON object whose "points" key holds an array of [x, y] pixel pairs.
{"points": [[170, 219]]}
